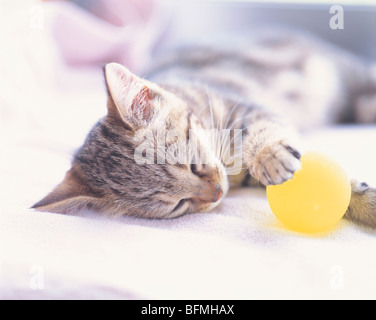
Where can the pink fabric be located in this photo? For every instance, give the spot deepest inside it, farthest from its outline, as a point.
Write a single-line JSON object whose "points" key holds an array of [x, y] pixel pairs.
{"points": [[114, 30]]}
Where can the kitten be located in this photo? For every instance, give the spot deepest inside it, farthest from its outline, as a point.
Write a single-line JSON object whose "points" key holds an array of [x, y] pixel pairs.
{"points": [[268, 90]]}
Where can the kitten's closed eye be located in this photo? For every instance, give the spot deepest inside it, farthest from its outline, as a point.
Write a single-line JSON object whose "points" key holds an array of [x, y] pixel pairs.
{"points": [[181, 205], [195, 169], [203, 170]]}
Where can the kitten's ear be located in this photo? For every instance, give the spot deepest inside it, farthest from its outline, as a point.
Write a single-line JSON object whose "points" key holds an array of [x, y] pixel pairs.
{"points": [[71, 195], [130, 98]]}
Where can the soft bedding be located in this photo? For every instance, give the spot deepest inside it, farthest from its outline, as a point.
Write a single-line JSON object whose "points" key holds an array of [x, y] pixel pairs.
{"points": [[238, 251]]}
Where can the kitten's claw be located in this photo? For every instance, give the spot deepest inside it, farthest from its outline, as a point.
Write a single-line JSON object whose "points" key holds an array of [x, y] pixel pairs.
{"points": [[275, 164], [294, 152]]}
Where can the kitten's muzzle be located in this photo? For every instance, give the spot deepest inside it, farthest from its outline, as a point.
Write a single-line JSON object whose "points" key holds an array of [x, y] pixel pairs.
{"points": [[210, 193]]}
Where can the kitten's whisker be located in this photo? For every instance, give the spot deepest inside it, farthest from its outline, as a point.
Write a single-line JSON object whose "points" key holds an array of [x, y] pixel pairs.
{"points": [[228, 145], [220, 148], [235, 122], [205, 108], [233, 108], [210, 106], [240, 131]]}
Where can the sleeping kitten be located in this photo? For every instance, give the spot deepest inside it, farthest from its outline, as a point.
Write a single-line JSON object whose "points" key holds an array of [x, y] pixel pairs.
{"points": [[268, 91]]}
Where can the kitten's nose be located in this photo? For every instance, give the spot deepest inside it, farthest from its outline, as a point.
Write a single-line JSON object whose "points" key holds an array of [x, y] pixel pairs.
{"points": [[218, 194], [211, 193]]}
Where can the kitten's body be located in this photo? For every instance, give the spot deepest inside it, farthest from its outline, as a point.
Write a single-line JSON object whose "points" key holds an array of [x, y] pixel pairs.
{"points": [[266, 89]]}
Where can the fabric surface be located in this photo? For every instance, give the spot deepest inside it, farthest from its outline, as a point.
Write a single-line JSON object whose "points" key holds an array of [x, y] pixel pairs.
{"points": [[237, 251]]}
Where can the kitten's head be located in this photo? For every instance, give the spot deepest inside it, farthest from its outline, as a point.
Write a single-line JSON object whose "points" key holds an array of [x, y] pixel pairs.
{"points": [[139, 159]]}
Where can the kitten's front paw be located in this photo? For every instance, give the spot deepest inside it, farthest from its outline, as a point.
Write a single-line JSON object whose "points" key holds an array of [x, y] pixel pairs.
{"points": [[276, 163], [362, 208]]}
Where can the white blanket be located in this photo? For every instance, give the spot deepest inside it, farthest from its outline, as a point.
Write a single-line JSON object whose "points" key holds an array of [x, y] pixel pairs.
{"points": [[237, 251]]}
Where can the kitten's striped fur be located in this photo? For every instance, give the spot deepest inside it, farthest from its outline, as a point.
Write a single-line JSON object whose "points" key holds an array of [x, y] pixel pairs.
{"points": [[266, 89]]}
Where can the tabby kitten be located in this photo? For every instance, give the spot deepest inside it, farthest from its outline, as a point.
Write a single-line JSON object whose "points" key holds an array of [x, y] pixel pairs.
{"points": [[267, 91]]}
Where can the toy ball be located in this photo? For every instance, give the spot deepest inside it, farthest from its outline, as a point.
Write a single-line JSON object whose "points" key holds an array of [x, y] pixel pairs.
{"points": [[315, 199]]}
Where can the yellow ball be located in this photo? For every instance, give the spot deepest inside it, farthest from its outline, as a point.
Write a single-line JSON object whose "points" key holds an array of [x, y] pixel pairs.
{"points": [[315, 199]]}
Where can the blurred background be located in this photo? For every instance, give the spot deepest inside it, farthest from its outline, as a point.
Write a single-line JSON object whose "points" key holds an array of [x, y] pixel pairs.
{"points": [[53, 47], [52, 52]]}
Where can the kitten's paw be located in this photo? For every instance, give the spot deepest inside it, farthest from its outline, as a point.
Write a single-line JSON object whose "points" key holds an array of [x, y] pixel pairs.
{"points": [[362, 208], [275, 164]]}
